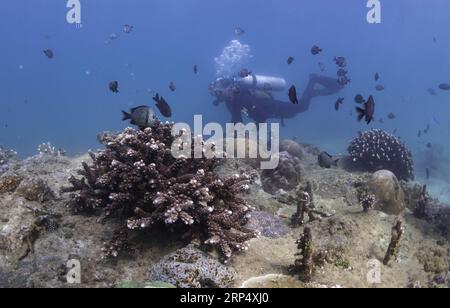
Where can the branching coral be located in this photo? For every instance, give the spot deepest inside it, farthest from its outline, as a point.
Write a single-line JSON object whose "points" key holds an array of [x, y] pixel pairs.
{"points": [[137, 178], [376, 150], [365, 198]]}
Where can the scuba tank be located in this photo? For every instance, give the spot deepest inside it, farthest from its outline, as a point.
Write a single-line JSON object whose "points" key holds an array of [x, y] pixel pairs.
{"points": [[260, 82]]}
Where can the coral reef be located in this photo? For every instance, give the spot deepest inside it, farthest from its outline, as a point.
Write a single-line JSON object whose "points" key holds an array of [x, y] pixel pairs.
{"points": [[376, 150], [35, 189], [420, 210], [48, 149], [191, 268], [365, 198], [397, 233], [292, 147], [388, 192], [9, 183], [137, 178], [304, 266], [6, 156], [286, 176]]}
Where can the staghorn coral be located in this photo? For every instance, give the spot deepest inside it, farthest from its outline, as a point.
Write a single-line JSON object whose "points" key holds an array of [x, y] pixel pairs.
{"points": [[286, 176], [376, 150], [137, 178]]}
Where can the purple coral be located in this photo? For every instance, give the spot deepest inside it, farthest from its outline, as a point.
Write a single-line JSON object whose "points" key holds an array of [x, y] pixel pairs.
{"points": [[376, 150], [137, 178]]}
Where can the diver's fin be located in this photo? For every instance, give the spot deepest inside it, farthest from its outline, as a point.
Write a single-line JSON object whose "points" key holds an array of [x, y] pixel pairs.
{"points": [[361, 113], [126, 116], [156, 98]]}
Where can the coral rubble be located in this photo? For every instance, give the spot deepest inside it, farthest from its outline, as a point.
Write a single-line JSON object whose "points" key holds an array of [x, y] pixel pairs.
{"points": [[397, 233], [137, 178], [376, 150]]}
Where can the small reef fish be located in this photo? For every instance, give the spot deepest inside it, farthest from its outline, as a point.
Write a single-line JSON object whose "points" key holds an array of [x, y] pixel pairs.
{"points": [[290, 60], [338, 103], [128, 29], [427, 172], [49, 53], [172, 86], [327, 161], [368, 111], [239, 31], [391, 116], [431, 91], [429, 145], [377, 76], [340, 61], [113, 36], [162, 106], [379, 87], [244, 111], [195, 68], [419, 134], [114, 86], [359, 99], [293, 95], [142, 116], [444, 86], [315, 50]]}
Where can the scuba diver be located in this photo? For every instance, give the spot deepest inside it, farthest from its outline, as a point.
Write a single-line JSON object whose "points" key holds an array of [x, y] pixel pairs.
{"points": [[252, 96]]}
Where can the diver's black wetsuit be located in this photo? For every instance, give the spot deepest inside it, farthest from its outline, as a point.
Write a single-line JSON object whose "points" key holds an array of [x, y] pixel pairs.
{"points": [[261, 106]]}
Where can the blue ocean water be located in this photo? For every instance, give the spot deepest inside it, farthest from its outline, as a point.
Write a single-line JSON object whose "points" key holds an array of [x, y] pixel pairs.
{"points": [[66, 100]]}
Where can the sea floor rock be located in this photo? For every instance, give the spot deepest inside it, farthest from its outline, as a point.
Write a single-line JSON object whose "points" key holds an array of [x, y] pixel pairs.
{"points": [[388, 192]]}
